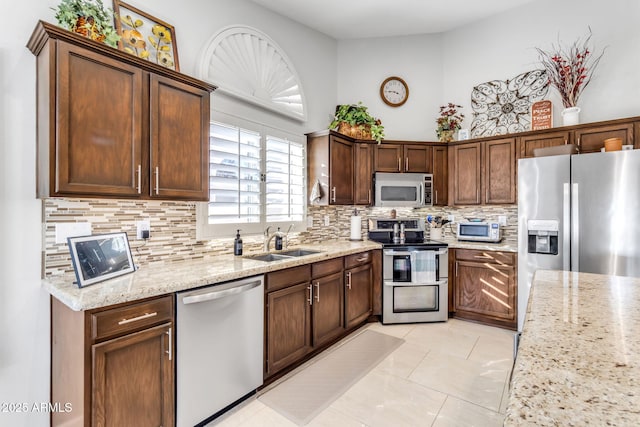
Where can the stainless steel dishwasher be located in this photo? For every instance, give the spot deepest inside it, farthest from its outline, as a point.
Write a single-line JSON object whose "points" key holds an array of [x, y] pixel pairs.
{"points": [[219, 347]]}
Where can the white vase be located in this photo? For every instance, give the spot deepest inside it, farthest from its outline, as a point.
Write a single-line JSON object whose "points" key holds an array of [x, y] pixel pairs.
{"points": [[571, 116]]}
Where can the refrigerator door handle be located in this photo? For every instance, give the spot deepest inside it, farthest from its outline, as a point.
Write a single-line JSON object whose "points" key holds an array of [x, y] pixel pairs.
{"points": [[566, 227], [575, 229]]}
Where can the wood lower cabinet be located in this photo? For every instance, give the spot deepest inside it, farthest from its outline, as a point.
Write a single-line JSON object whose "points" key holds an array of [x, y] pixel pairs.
{"points": [[485, 287], [288, 332], [113, 125], [311, 306], [358, 295], [115, 365]]}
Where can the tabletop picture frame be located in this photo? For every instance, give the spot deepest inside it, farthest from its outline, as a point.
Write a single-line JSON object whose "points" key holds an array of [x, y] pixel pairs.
{"points": [[100, 257], [145, 36]]}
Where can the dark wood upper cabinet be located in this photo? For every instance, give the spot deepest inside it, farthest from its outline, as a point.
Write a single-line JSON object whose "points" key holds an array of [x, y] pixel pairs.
{"points": [[330, 161], [363, 170], [526, 144], [415, 158], [500, 171], [591, 139], [113, 125], [440, 171], [465, 172]]}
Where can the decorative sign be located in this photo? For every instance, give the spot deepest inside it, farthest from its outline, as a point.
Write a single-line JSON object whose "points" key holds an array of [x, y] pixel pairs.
{"points": [[541, 115]]}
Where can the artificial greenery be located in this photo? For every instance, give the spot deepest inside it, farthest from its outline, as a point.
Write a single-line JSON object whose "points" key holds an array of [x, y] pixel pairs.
{"points": [[357, 114], [96, 22]]}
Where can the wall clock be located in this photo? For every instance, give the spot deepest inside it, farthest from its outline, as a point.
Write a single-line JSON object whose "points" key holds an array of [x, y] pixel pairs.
{"points": [[394, 91]]}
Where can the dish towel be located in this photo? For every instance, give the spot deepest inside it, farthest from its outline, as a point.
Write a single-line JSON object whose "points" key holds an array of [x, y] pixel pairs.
{"points": [[316, 192], [423, 266]]}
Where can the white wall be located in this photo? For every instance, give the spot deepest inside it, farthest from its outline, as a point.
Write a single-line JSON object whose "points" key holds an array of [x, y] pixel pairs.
{"points": [[364, 64], [497, 48], [24, 306]]}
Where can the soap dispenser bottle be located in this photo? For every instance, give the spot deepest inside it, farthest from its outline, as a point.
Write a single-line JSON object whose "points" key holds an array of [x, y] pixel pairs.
{"points": [[278, 240], [237, 244]]}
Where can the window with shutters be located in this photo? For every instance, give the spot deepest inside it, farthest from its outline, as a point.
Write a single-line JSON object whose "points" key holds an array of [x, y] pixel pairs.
{"points": [[256, 179]]}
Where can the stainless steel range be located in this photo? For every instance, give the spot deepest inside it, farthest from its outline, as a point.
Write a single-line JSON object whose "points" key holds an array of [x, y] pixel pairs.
{"points": [[415, 272]]}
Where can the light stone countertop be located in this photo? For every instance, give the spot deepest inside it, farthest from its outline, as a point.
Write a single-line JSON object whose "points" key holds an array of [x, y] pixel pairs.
{"points": [[160, 279], [579, 356]]}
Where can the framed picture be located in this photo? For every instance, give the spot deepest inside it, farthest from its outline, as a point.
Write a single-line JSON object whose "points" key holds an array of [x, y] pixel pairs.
{"points": [[463, 134], [100, 257], [146, 37]]}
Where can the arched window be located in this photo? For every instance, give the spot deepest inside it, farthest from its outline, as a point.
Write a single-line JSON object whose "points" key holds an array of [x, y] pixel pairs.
{"points": [[247, 64]]}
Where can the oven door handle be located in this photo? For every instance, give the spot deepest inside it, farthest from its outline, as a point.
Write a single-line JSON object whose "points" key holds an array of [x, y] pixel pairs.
{"points": [[435, 283], [392, 252]]}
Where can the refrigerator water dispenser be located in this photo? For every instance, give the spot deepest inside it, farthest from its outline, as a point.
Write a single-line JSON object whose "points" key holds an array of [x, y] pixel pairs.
{"points": [[542, 236]]}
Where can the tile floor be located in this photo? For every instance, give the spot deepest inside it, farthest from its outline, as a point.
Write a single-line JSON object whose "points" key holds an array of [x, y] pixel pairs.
{"points": [[444, 374]]}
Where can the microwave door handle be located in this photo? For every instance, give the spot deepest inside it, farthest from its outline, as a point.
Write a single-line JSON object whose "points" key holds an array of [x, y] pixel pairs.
{"points": [[421, 200]]}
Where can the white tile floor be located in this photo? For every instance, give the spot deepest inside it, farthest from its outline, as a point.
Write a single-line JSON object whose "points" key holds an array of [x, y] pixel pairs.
{"points": [[444, 374]]}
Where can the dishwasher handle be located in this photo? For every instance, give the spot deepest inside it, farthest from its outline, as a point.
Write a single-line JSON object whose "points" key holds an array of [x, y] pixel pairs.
{"points": [[213, 295]]}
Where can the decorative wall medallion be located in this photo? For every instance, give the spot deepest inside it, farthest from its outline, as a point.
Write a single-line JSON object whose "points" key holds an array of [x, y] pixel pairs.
{"points": [[501, 107], [247, 64]]}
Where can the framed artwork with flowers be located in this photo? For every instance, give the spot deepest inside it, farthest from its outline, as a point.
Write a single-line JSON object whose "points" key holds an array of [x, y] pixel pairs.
{"points": [[145, 36]]}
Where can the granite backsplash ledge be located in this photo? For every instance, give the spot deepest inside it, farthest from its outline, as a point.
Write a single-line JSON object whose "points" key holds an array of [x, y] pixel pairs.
{"points": [[173, 227]]}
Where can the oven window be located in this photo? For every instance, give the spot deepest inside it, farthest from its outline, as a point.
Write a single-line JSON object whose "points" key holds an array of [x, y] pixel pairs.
{"points": [[397, 193], [407, 299], [402, 268]]}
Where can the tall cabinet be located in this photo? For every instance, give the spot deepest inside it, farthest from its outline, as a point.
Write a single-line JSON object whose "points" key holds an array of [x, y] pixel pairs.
{"points": [[114, 125]]}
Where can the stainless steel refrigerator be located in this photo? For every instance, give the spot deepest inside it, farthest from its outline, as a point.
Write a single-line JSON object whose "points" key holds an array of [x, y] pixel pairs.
{"points": [[580, 213]]}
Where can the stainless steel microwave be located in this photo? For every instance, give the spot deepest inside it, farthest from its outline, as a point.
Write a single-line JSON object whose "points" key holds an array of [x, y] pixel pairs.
{"points": [[480, 231], [403, 189]]}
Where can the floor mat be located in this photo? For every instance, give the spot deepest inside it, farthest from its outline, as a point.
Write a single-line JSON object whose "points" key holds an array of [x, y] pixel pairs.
{"points": [[307, 393]]}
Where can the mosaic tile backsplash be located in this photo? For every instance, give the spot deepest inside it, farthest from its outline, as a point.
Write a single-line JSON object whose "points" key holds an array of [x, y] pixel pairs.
{"points": [[173, 227]]}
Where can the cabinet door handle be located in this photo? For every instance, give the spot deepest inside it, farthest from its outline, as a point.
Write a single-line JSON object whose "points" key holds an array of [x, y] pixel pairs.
{"points": [[170, 351], [310, 299], [436, 197], [157, 180], [139, 172], [369, 197], [399, 164], [456, 269], [333, 194], [565, 141], [363, 258], [318, 291], [406, 164], [349, 280], [135, 319], [478, 195]]}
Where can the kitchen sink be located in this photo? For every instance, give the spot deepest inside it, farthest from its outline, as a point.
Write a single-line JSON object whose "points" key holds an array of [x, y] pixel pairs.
{"points": [[268, 257], [293, 253], [298, 252]]}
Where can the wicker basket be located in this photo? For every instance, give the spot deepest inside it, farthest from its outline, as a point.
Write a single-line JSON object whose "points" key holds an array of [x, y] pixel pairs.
{"points": [[356, 131], [87, 27]]}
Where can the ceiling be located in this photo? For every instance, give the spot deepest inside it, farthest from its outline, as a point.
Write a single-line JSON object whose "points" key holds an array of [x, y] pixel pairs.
{"points": [[353, 19]]}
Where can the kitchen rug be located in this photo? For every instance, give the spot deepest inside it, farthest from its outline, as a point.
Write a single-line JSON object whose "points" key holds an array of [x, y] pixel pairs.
{"points": [[305, 394]]}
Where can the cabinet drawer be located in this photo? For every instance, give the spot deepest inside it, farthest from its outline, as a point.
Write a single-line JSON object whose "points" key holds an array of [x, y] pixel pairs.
{"points": [[290, 276], [507, 258], [121, 320], [355, 260], [324, 268]]}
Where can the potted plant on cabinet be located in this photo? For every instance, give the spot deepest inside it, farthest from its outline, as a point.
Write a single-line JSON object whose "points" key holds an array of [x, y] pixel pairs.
{"points": [[89, 18], [449, 122], [355, 121]]}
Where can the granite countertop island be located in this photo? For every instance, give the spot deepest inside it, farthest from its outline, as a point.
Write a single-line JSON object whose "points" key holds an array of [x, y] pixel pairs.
{"points": [[578, 361], [154, 280]]}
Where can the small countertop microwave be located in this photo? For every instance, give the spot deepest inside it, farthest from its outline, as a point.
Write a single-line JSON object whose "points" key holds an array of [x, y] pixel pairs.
{"points": [[397, 190], [480, 231]]}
